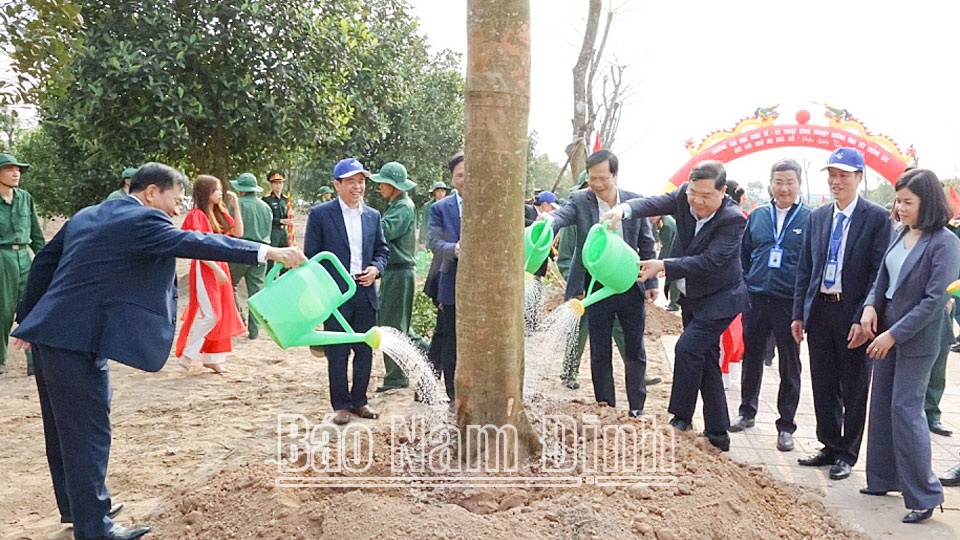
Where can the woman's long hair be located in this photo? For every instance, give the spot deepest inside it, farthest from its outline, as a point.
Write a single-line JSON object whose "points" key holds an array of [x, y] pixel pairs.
{"points": [[203, 188], [935, 211]]}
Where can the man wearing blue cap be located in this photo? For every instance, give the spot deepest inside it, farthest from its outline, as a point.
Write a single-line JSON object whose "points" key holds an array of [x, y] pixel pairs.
{"points": [[123, 190], [843, 248], [352, 231]]}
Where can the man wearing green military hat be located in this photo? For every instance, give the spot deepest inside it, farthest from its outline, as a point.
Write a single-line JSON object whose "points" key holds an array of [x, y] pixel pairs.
{"points": [[439, 190], [19, 229], [123, 190], [326, 194], [257, 220], [397, 282]]}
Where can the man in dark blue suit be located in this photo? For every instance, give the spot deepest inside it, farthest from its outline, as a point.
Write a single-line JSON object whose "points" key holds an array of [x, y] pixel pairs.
{"points": [[444, 242], [705, 263], [75, 317], [350, 230], [841, 254], [584, 211]]}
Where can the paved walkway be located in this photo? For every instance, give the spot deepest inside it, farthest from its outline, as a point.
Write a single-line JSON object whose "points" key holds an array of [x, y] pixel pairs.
{"points": [[879, 517]]}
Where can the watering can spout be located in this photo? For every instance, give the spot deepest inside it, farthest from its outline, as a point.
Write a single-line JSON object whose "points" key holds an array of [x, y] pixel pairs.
{"points": [[577, 306], [371, 337], [954, 288]]}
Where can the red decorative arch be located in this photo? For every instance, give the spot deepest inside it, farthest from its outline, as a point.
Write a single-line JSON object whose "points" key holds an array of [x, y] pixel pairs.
{"points": [[880, 153]]}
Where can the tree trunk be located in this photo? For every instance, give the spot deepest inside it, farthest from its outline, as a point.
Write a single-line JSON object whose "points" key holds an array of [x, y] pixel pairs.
{"points": [[489, 379]]}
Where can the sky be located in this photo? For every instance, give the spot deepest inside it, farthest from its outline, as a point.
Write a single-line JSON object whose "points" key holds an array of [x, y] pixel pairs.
{"points": [[700, 66]]}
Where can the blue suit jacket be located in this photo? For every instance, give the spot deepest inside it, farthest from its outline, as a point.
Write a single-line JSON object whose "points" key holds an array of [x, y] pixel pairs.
{"points": [[444, 233], [106, 283], [326, 231], [710, 260], [918, 303], [583, 212], [867, 241]]}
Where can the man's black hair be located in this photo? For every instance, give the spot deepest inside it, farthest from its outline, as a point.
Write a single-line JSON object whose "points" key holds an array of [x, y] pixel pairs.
{"points": [[710, 170], [163, 176], [454, 161], [600, 156]]}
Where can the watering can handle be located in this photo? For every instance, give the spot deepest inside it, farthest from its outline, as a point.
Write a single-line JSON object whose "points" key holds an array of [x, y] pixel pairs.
{"points": [[338, 266]]}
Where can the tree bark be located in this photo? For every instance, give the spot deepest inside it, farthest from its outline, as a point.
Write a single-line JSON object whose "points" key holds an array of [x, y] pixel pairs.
{"points": [[489, 377]]}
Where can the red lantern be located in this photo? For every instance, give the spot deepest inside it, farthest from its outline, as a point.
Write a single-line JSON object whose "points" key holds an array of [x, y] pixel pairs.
{"points": [[803, 117]]}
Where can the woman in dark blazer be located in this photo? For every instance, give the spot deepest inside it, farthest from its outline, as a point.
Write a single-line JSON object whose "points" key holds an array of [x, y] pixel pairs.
{"points": [[905, 303]]}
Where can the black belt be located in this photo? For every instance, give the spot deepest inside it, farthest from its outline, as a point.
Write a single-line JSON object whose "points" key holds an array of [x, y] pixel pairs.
{"points": [[400, 266], [14, 247], [831, 298]]}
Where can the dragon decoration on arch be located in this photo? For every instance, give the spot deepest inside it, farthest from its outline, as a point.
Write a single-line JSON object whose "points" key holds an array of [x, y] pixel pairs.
{"points": [[837, 117], [760, 132]]}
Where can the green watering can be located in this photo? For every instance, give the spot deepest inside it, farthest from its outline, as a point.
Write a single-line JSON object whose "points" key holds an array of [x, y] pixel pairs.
{"points": [[537, 240], [610, 261], [292, 307]]}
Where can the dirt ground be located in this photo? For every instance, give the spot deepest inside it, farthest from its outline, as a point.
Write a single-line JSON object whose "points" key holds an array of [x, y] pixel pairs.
{"points": [[195, 456]]}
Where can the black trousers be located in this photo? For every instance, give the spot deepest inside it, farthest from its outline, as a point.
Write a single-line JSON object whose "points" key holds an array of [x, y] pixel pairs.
{"points": [[629, 309], [361, 316], [75, 398], [443, 347], [696, 368], [841, 380], [770, 313]]}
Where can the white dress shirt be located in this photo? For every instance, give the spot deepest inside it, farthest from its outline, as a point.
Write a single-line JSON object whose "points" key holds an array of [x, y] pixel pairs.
{"points": [[848, 213], [261, 251], [354, 226], [603, 207]]}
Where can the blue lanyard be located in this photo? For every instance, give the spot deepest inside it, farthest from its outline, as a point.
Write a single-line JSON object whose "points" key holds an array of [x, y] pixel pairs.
{"points": [[778, 238]]}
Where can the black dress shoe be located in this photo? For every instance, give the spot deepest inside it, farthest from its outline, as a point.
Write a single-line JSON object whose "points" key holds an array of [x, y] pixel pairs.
{"points": [[392, 386], [937, 428], [650, 381], [955, 347], [875, 493], [951, 478], [740, 423], [719, 440], [112, 513], [680, 424], [819, 459], [916, 516], [840, 470], [119, 532]]}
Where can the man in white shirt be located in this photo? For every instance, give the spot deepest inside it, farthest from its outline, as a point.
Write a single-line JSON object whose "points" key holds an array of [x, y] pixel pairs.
{"points": [[352, 231], [843, 248]]}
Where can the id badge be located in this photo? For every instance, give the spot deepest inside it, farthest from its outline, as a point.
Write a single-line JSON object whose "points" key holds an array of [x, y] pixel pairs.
{"points": [[830, 272], [776, 258]]}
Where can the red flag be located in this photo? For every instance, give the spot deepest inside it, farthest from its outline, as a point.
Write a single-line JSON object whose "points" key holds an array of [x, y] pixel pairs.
{"points": [[596, 144], [823, 199], [954, 202]]}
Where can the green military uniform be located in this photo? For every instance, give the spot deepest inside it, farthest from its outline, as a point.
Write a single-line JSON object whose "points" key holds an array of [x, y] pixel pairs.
{"points": [[257, 219], [397, 281], [938, 374], [278, 231], [19, 229], [120, 193], [668, 235], [425, 214]]}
